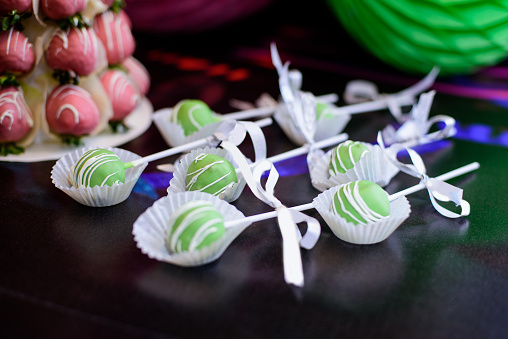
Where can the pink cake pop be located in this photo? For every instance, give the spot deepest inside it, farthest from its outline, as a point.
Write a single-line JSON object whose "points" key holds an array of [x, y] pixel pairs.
{"points": [[74, 50], [16, 52], [116, 36], [121, 92], [70, 110], [125, 18], [138, 74], [15, 116], [61, 9], [20, 6]]}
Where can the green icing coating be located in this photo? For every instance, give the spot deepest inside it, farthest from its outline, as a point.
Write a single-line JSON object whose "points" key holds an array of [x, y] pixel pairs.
{"points": [[346, 155], [323, 111], [194, 225], [211, 174], [97, 167], [192, 115], [360, 202]]}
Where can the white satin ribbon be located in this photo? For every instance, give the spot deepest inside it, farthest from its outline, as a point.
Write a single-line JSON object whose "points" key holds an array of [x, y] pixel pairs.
{"points": [[235, 132], [438, 190], [292, 239], [415, 130], [301, 106], [360, 91]]}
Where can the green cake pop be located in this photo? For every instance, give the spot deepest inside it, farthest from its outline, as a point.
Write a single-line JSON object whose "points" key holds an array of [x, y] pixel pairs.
{"points": [[192, 115], [210, 173], [98, 167], [323, 111], [194, 225], [345, 155], [361, 202]]}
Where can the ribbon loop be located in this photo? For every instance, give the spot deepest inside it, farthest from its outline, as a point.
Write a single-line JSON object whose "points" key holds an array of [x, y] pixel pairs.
{"points": [[287, 219], [415, 130], [358, 91], [438, 190], [301, 106], [229, 130]]}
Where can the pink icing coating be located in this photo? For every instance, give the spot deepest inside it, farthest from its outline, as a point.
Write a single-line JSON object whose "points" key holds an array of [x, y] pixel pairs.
{"points": [[116, 36], [16, 52], [71, 110], [61, 9], [75, 50], [138, 74], [20, 6], [124, 97], [15, 116]]}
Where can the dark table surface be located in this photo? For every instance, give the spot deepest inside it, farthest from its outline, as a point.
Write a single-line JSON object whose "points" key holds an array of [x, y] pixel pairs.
{"points": [[71, 271]]}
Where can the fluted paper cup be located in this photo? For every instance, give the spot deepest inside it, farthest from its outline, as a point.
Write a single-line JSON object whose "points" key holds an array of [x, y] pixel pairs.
{"points": [[325, 128], [173, 133], [362, 234], [374, 166], [151, 228], [96, 196]]}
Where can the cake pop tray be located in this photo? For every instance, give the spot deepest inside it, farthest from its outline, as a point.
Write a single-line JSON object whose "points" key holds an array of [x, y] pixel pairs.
{"points": [[138, 122]]}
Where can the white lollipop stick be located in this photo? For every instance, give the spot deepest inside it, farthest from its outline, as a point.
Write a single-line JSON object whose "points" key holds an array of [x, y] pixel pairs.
{"points": [[449, 175], [305, 148], [183, 148], [402, 98], [370, 106], [250, 113], [452, 174], [262, 111]]}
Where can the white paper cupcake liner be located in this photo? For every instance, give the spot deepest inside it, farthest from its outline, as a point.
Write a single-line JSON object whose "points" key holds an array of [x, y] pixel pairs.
{"points": [[151, 227], [370, 233], [177, 183], [325, 128], [173, 133], [96, 196], [374, 166]]}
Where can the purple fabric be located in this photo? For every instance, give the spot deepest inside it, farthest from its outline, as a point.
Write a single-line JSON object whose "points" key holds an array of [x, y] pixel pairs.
{"points": [[188, 15]]}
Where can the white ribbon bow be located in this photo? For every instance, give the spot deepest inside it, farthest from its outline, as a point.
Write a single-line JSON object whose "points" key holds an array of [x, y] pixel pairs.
{"points": [[235, 132], [300, 105], [358, 91], [438, 190], [292, 239], [414, 130]]}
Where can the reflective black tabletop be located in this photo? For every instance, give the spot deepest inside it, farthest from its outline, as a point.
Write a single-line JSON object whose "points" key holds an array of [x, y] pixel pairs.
{"points": [[69, 270]]}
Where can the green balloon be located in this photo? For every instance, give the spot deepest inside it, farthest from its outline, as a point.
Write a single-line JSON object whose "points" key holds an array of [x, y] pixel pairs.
{"points": [[459, 36]]}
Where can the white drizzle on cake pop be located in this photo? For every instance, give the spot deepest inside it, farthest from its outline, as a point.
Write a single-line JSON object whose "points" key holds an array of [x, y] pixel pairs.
{"points": [[26, 44], [118, 86], [86, 37], [352, 194], [15, 98], [196, 174], [74, 90], [114, 34]]}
